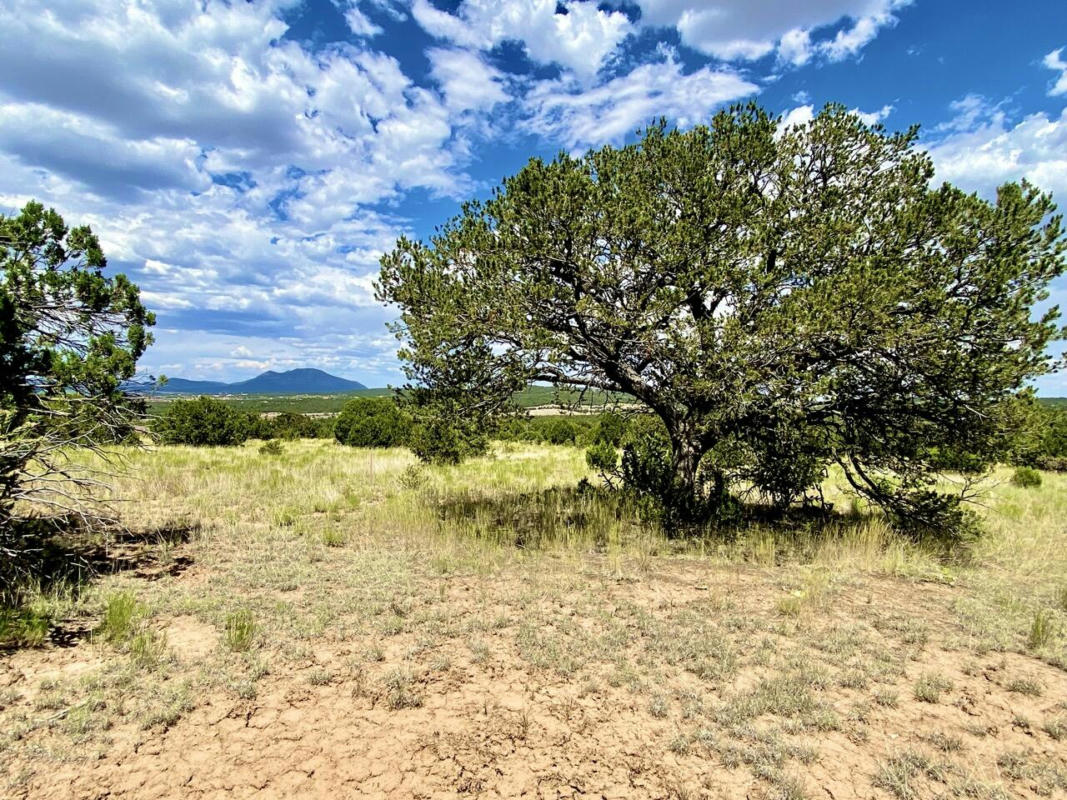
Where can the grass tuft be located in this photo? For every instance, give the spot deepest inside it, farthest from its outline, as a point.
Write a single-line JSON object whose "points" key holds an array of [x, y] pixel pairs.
{"points": [[240, 630], [930, 687]]}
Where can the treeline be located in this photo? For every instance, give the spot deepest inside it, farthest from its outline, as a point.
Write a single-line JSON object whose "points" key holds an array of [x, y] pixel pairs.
{"points": [[208, 422], [381, 422]]}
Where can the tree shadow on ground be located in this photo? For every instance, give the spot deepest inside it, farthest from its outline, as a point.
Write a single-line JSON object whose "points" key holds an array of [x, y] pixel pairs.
{"points": [[599, 517], [61, 556]]}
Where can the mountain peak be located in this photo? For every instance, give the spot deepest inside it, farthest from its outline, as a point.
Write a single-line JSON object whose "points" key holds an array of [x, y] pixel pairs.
{"points": [[307, 380]]}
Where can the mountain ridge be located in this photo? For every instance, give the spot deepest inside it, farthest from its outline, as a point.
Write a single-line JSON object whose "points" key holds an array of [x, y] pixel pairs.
{"points": [[294, 381]]}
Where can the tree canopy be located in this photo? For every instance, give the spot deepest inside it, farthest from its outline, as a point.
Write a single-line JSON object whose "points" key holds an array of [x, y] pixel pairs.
{"points": [[203, 422], [70, 336], [371, 422], [782, 299]]}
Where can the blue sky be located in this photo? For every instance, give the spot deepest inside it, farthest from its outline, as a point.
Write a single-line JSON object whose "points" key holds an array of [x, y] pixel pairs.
{"points": [[247, 163]]}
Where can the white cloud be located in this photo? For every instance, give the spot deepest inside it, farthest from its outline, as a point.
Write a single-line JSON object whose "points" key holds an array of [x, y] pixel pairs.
{"points": [[580, 39], [466, 81], [227, 170], [357, 21], [564, 111], [874, 117], [736, 31], [802, 115], [1054, 60], [982, 148]]}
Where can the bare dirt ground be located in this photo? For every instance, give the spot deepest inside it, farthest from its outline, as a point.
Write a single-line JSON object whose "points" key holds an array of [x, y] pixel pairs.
{"points": [[381, 666], [828, 707]]}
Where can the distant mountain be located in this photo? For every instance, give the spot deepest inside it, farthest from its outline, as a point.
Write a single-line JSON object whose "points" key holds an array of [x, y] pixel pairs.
{"points": [[295, 381]]}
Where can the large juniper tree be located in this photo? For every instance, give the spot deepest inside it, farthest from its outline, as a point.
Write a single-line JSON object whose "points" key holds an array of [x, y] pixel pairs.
{"points": [[70, 335], [781, 298]]}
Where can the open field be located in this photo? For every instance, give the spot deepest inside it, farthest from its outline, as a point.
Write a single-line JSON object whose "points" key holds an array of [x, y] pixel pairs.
{"points": [[343, 622]]}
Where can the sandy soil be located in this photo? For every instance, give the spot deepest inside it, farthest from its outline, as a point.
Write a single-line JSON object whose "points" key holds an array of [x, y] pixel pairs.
{"points": [[496, 721]]}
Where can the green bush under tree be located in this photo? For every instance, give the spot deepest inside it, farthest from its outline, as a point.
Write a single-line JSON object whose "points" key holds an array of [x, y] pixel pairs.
{"points": [[372, 422]]}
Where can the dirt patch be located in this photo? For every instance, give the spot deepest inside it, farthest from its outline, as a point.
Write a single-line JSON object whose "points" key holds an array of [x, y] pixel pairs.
{"points": [[191, 639], [503, 715]]}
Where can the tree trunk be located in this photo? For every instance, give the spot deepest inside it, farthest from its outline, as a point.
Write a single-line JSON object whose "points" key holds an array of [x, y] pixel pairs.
{"points": [[685, 460], [686, 498]]}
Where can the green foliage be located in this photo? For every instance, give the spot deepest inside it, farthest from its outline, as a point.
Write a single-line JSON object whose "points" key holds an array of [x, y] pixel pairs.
{"points": [[610, 429], [1042, 441], [23, 627], [271, 448], [1051, 463], [446, 440], [603, 457], [579, 429], [290, 425], [122, 611], [646, 458], [781, 299], [240, 630], [372, 422], [69, 337], [202, 422], [1026, 477], [560, 430]]}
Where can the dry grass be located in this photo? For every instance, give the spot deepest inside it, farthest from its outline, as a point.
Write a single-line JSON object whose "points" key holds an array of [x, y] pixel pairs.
{"points": [[487, 627]]}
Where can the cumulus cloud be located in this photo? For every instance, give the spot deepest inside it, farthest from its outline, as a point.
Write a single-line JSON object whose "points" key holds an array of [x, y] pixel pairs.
{"points": [[574, 34], [357, 21], [982, 148], [250, 183], [744, 31], [228, 171], [467, 82], [802, 115], [579, 117], [1054, 60]]}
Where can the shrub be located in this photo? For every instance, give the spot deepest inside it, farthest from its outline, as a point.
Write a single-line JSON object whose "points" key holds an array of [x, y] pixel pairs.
{"points": [[1051, 463], [203, 421], [1026, 477], [372, 422], [271, 448], [439, 441], [610, 429], [603, 457], [290, 425], [559, 430], [646, 457]]}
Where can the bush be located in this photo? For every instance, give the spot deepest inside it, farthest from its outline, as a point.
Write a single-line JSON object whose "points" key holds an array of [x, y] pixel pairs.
{"points": [[271, 448], [1051, 463], [580, 429], [204, 421], [560, 431], [603, 457], [440, 441], [372, 422], [1026, 477], [290, 425], [610, 429], [646, 457]]}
